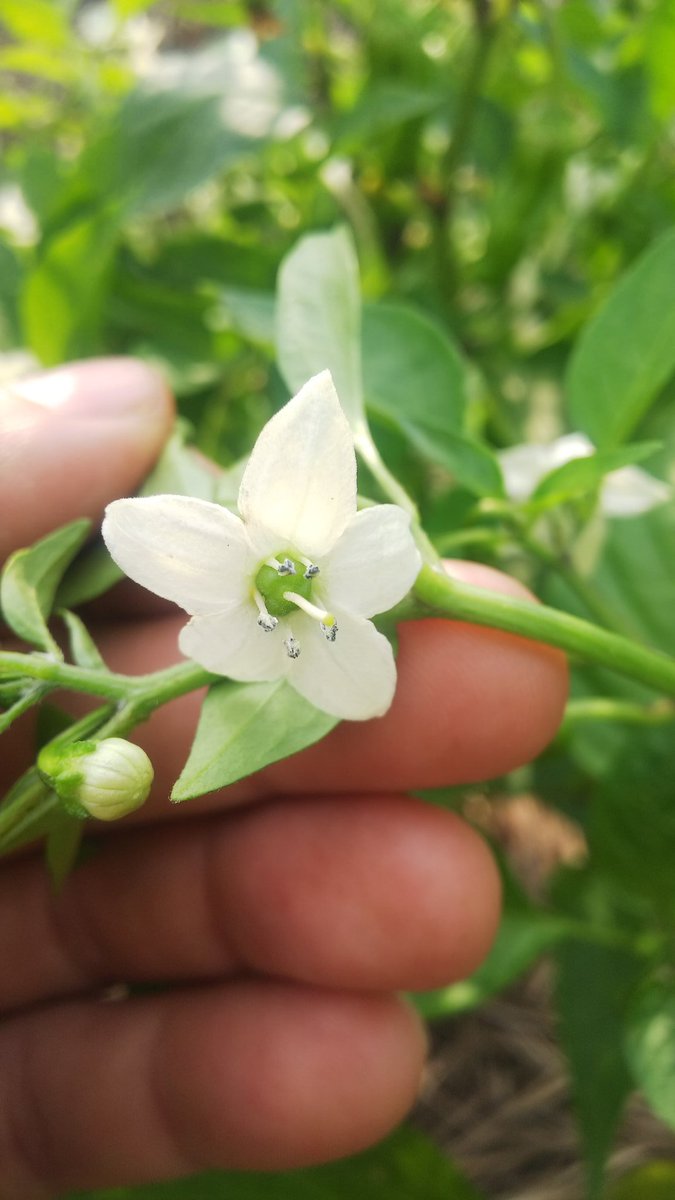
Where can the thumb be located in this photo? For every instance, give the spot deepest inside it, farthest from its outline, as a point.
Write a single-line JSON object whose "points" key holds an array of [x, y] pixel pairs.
{"points": [[74, 438]]}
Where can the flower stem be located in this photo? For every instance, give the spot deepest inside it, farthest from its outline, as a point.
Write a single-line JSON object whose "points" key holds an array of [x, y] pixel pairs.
{"points": [[154, 689], [444, 595]]}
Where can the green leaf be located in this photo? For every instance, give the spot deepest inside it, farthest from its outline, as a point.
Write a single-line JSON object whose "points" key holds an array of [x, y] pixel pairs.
{"points": [[30, 579], [412, 370], [582, 475], [83, 649], [26, 812], [595, 985], [243, 727], [627, 351], [63, 843], [39, 21], [155, 149], [523, 937], [63, 293], [318, 316], [407, 1166], [30, 695], [92, 574], [632, 818], [650, 1045]]}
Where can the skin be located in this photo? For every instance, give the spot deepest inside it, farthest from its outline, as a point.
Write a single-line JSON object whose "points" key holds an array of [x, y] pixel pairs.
{"points": [[286, 913]]}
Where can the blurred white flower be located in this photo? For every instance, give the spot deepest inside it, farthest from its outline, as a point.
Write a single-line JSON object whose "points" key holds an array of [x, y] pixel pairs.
{"points": [[626, 492], [286, 589], [15, 215]]}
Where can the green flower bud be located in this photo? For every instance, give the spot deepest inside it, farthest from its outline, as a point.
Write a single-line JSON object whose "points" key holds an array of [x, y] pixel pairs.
{"points": [[105, 779]]}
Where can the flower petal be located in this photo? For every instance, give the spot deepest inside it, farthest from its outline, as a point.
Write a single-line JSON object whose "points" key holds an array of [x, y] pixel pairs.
{"points": [[232, 643], [525, 465], [186, 550], [631, 491], [373, 564], [300, 482], [353, 677]]}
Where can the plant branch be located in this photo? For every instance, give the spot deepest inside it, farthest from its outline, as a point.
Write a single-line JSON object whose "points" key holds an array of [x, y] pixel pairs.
{"points": [[442, 594]]}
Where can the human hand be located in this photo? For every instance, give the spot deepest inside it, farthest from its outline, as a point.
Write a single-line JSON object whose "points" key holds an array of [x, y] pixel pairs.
{"points": [[281, 916]]}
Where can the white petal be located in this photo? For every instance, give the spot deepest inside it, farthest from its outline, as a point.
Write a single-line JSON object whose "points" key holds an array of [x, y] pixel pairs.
{"points": [[525, 465], [631, 491], [232, 643], [300, 481], [353, 677], [186, 550], [373, 564]]}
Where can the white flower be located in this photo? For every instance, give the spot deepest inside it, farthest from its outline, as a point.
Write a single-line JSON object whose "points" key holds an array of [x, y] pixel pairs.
{"points": [[623, 493], [105, 779], [287, 589]]}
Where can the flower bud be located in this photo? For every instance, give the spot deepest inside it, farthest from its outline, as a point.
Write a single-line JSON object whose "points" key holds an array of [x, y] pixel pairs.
{"points": [[106, 779]]}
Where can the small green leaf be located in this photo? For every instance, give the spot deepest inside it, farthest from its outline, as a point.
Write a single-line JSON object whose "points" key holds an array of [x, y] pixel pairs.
{"points": [[242, 728], [650, 1045], [318, 316], [83, 649], [627, 351], [31, 695], [30, 579], [582, 475], [63, 843]]}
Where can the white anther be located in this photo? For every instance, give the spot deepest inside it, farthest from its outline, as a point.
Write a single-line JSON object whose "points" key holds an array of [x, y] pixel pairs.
{"points": [[329, 631], [266, 621], [287, 567], [312, 568], [292, 646]]}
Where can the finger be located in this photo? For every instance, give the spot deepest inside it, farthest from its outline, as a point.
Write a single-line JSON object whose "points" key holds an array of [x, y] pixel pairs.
{"points": [[75, 438], [351, 892], [247, 1075]]}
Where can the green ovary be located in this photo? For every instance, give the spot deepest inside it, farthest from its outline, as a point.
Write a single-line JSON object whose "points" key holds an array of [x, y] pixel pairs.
{"points": [[272, 586]]}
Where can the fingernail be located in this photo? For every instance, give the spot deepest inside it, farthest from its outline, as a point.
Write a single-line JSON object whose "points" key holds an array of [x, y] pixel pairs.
{"points": [[99, 387]]}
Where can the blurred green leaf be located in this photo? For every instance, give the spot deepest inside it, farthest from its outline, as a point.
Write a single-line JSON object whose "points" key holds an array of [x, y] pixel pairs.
{"points": [[593, 989], [632, 819], [582, 475], [30, 579], [318, 316], [650, 1045], [626, 353], [36, 21], [243, 727], [64, 291], [407, 1166], [655, 1181]]}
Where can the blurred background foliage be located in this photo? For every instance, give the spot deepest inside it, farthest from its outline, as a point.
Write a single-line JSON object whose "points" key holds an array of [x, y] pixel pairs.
{"points": [[502, 167]]}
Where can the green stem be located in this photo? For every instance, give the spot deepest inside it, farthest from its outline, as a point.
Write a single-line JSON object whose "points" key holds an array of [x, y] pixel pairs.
{"points": [[391, 487], [442, 594], [603, 708], [152, 690]]}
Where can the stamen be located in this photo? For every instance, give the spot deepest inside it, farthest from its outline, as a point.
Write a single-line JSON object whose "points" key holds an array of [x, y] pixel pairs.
{"points": [[319, 614], [326, 620], [312, 568], [287, 567], [292, 646], [266, 621]]}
